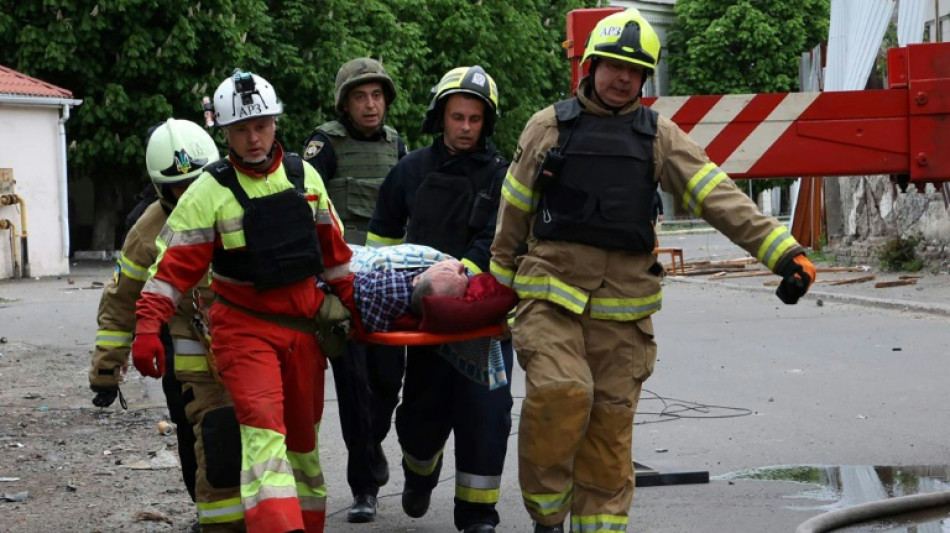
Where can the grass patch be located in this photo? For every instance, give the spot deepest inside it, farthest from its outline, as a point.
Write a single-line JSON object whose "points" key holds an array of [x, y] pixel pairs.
{"points": [[900, 255]]}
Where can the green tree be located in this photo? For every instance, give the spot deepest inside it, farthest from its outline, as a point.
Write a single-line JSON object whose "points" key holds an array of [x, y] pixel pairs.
{"points": [[518, 44], [136, 62], [133, 63], [742, 46]]}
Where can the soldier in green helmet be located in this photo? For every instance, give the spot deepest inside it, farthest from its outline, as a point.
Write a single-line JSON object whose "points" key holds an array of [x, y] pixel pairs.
{"points": [[353, 154]]}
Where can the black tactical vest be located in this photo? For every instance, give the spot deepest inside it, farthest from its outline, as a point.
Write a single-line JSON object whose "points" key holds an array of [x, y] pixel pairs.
{"points": [[602, 194], [449, 210], [281, 245]]}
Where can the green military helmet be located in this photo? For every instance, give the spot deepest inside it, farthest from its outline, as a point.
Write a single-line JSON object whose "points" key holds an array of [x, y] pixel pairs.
{"points": [[357, 72]]}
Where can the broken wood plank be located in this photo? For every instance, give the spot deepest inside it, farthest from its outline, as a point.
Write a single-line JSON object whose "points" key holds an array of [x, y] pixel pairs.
{"points": [[859, 279], [895, 283], [751, 274]]}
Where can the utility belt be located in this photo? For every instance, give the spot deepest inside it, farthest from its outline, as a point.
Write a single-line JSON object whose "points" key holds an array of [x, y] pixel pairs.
{"points": [[304, 324], [331, 326]]}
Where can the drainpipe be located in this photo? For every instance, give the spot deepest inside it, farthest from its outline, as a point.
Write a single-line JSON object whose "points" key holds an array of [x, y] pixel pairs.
{"points": [[7, 224], [13, 199], [65, 104], [63, 198]]}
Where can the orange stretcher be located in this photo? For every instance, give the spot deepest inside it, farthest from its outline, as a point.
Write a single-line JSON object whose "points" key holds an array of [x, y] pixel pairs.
{"points": [[414, 338]]}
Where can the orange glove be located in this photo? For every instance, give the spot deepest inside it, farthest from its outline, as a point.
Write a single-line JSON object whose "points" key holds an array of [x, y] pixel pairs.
{"points": [[797, 277], [148, 354]]}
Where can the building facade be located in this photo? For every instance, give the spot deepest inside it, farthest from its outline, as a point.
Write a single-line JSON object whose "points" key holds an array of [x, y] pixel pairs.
{"points": [[34, 213]]}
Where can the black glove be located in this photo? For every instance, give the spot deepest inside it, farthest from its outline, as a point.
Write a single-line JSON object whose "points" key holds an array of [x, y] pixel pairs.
{"points": [[105, 396], [797, 276]]}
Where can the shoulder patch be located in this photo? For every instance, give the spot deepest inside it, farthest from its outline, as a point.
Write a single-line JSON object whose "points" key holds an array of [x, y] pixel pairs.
{"points": [[517, 156], [313, 149]]}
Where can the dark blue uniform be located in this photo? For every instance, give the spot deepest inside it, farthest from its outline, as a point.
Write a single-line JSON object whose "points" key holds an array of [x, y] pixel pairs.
{"points": [[449, 202]]}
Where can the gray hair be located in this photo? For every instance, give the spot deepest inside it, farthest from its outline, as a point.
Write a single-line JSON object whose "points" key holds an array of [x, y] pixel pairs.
{"points": [[422, 288]]}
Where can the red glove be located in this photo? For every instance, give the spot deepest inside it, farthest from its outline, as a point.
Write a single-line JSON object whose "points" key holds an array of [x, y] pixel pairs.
{"points": [[148, 355], [343, 289]]}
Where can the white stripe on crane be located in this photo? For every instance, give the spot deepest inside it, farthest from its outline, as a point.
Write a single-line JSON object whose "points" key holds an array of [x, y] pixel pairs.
{"points": [[767, 132], [669, 105], [720, 116]]}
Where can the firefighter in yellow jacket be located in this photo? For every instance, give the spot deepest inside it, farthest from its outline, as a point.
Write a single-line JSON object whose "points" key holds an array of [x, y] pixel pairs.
{"points": [[580, 192], [210, 453]]}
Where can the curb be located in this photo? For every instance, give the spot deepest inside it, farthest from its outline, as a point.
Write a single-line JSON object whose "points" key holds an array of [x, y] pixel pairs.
{"points": [[902, 305]]}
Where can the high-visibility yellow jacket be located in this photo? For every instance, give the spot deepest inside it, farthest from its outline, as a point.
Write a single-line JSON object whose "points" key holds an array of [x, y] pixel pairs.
{"points": [[117, 305], [209, 217], [619, 285]]}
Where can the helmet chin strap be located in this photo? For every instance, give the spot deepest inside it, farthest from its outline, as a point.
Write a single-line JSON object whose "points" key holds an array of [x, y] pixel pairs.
{"points": [[257, 166]]}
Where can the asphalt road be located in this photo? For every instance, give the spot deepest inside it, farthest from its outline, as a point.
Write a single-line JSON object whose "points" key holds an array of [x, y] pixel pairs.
{"points": [[751, 387]]}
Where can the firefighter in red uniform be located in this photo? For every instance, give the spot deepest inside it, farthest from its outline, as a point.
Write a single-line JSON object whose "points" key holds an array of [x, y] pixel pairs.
{"points": [[580, 190], [262, 220]]}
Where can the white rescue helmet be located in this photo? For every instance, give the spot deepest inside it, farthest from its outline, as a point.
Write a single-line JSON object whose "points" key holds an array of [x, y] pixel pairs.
{"points": [[177, 150], [244, 96]]}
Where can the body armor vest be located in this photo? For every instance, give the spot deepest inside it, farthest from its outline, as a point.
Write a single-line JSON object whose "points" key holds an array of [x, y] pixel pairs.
{"points": [[602, 191], [361, 167], [449, 210], [281, 245]]}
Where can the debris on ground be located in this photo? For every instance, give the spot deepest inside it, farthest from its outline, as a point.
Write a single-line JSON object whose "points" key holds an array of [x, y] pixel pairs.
{"points": [[895, 283], [15, 496], [151, 516]]}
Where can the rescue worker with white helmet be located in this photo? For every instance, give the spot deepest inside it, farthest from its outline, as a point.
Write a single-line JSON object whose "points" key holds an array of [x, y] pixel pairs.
{"points": [[446, 196], [354, 153], [208, 440], [580, 192], [262, 220]]}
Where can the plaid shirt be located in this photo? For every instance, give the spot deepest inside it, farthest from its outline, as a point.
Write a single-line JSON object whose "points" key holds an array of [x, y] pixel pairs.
{"points": [[383, 296]]}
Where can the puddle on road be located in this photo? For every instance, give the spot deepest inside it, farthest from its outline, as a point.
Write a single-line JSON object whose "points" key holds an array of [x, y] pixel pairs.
{"points": [[837, 487]]}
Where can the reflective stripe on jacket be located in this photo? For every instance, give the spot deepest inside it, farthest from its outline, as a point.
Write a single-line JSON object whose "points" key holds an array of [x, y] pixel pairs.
{"points": [[618, 285], [116, 319], [208, 216]]}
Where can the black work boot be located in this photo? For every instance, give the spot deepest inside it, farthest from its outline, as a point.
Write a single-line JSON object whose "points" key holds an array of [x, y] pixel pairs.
{"points": [[363, 509], [415, 502], [479, 528], [538, 528]]}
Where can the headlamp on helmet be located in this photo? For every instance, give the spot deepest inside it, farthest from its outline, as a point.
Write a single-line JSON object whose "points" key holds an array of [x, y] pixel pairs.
{"points": [[244, 96]]}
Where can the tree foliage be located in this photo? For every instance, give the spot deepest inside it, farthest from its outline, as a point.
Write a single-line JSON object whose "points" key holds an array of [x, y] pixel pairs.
{"points": [[136, 62], [742, 46]]}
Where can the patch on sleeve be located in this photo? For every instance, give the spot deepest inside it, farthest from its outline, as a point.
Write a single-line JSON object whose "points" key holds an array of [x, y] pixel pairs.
{"points": [[313, 149], [518, 152]]}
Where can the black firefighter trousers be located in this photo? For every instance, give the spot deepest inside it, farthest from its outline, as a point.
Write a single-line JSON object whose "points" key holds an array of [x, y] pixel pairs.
{"points": [[438, 399]]}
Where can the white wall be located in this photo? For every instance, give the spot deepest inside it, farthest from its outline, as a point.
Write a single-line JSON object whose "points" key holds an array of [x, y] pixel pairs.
{"points": [[30, 145]]}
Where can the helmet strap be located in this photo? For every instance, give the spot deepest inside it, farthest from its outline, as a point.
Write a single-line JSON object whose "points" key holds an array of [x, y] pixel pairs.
{"points": [[260, 167]]}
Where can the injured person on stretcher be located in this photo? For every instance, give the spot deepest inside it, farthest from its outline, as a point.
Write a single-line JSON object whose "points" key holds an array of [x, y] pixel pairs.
{"points": [[409, 287]]}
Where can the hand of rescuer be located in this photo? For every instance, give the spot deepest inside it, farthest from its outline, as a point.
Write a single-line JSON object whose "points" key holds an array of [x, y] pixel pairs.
{"points": [[797, 277], [343, 289], [148, 354]]}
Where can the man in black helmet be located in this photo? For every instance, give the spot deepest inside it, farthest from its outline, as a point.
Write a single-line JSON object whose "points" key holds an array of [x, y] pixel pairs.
{"points": [[446, 196], [353, 154]]}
